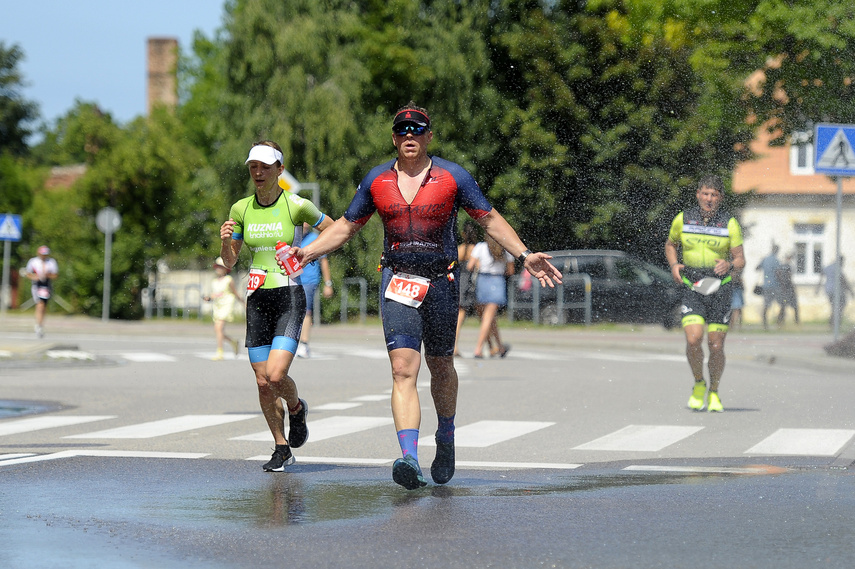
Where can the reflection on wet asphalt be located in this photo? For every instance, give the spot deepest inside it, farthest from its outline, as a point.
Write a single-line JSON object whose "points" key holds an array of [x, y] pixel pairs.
{"points": [[210, 513]]}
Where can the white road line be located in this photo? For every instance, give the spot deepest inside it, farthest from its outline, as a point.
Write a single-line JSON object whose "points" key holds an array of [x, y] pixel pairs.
{"points": [[803, 442], [371, 354], [699, 469], [539, 356], [335, 406], [69, 355], [328, 428], [512, 465], [165, 427], [147, 357], [461, 464], [649, 438], [487, 433], [104, 453], [15, 455], [47, 422], [226, 356], [332, 460], [371, 398]]}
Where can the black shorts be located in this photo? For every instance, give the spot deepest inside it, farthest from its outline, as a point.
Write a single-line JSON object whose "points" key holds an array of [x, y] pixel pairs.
{"points": [[712, 309], [434, 323], [274, 312]]}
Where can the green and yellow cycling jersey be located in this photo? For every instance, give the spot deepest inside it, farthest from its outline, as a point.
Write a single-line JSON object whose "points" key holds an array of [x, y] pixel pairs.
{"points": [[703, 242], [260, 227]]}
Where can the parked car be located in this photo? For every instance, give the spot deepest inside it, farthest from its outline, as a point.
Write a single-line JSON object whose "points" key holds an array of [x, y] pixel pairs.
{"points": [[623, 289]]}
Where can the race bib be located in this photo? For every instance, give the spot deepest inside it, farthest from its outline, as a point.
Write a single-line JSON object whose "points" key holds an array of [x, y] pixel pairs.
{"points": [[43, 292], [256, 279], [409, 290]]}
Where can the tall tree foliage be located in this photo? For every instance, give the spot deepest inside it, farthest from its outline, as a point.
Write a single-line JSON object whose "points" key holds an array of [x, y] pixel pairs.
{"points": [[323, 80], [15, 112], [810, 66], [607, 131], [146, 173]]}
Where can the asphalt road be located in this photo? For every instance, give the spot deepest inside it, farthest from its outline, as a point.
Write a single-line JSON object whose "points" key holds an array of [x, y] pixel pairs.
{"points": [[577, 450]]}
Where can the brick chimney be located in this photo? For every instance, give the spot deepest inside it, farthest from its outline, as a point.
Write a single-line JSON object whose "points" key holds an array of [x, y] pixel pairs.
{"points": [[162, 73]]}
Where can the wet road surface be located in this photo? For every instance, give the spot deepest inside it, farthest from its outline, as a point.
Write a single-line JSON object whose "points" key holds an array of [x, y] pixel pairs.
{"points": [[90, 512]]}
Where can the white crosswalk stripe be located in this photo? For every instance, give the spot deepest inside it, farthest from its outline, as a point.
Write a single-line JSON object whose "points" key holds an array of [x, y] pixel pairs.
{"points": [[47, 422], [647, 438], [329, 427], [803, 442], [147, 357], [333, 352], [164, 427], [487, 433], [480, 434]]}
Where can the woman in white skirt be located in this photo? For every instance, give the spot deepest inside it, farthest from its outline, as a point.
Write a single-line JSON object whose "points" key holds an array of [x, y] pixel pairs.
{"points": [[493, 265]]}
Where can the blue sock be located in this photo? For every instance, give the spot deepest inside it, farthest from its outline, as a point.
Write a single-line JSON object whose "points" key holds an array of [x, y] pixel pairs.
{"points": [[409, 441], [445, 429]]}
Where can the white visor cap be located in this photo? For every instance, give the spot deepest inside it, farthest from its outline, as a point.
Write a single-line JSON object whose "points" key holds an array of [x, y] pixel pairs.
{"points": [[263, 153]]}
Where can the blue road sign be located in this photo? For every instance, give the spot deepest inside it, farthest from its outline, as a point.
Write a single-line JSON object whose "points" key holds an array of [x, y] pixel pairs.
{"points": [[10, 227], [834, 155]]}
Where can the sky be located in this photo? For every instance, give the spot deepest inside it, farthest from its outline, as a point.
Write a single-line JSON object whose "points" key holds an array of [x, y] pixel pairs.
{"points": [[95, 50]]}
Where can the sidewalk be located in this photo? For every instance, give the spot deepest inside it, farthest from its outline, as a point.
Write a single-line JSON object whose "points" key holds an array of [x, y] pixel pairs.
{"points": [[800, 348]]}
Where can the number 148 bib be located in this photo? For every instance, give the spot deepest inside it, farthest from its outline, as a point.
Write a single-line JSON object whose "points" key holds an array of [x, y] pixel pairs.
{"points": [[409, 290]]}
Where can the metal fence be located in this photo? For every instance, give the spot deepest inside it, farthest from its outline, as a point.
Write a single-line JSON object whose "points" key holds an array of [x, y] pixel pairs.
{"points": [[345, 297], [549, 310], [184, 300]]}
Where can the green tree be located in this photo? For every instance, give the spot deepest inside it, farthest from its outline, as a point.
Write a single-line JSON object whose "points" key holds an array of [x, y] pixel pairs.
{"points": [[809, 63], [147, 174], [15, 111], [77, 137], [612, 122], [323, 80]]}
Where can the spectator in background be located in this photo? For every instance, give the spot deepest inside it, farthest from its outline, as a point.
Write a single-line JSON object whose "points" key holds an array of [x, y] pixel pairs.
{"points": [[493, 265], [769, 265], [786, 290], [311, 278], [828, 276], [468, 239], [42, 270], [468, 283], [224, 294]]}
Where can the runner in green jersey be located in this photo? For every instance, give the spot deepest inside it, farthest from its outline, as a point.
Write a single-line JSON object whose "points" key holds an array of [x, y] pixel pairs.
{"points": [[276, 304], [711, 243]]}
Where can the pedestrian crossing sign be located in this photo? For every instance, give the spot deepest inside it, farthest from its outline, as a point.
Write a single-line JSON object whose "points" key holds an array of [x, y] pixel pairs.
{"points": [[834, 154], [10, 227]]}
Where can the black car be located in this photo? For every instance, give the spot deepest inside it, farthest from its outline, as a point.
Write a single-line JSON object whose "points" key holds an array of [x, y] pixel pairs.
{"points": [[622, 289]]}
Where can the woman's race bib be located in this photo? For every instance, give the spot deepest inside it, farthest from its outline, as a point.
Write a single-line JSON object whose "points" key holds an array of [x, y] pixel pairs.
{"points": [[256, 279], [409, 290], [43, 292]]}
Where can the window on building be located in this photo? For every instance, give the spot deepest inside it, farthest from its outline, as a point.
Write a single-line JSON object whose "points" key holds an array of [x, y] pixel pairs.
{"points": [[808, 250], [801, 154]]}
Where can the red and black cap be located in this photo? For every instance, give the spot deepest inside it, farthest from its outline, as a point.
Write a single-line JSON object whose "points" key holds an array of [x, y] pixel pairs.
{"points": [[412, 116]]}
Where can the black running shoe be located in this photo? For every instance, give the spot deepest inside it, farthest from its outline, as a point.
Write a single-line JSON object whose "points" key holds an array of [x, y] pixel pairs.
{"points": [[281, 458], [407, 473], [442, 468], [298, 430]]}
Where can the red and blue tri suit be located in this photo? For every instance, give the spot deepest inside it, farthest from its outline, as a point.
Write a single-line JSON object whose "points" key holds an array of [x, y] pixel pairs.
{"points": [[420, 238]]}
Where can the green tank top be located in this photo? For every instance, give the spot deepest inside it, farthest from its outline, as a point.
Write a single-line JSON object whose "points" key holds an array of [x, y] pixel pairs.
{"points": [[260, 227], [704, 242]]}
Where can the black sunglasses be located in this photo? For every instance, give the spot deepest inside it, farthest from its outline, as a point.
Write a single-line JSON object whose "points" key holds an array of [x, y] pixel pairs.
{"points": [[403, 129]]}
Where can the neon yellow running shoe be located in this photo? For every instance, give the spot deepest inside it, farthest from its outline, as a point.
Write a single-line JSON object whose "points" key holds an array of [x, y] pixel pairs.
{"points": [[715, 403], [696, 401]]}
